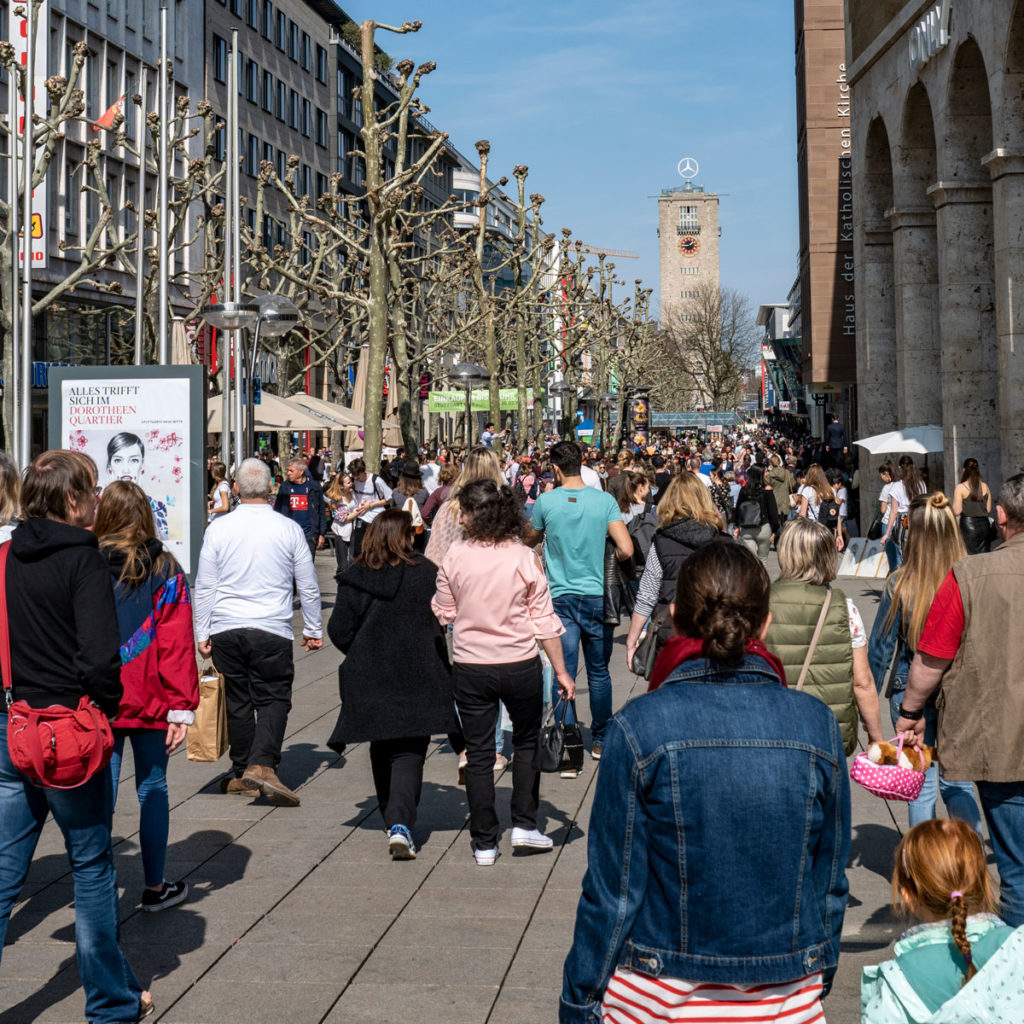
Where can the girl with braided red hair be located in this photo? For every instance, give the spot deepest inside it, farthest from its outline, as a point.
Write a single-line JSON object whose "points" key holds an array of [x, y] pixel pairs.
{"points": [[941, 878]]}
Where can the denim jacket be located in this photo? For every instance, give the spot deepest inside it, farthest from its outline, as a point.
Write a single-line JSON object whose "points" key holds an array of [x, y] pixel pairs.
{"points": [[882, 646], [718, 838]]}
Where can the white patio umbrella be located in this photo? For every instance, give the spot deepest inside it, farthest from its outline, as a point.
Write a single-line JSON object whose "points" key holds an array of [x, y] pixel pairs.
{"points": [[909, 440]]}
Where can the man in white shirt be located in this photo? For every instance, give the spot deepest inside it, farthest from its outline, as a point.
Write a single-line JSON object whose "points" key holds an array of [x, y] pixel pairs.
{"points": [[430, 470], [243, 612], [372, 496]]}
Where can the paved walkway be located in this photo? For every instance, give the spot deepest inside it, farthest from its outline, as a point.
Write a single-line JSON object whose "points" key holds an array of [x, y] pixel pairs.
{"points": [[297, 914]]}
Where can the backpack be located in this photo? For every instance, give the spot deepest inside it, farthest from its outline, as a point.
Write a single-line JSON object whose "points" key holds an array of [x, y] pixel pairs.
{"points": [[641, 529], [828, 514], [521, 492], [749, 513]]}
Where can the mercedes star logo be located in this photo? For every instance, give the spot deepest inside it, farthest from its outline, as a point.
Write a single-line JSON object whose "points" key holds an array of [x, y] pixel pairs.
{"points": [[688, 167]]}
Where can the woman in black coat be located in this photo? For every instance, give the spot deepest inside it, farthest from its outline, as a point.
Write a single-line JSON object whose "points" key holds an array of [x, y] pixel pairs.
{"points": [[385, 593]]}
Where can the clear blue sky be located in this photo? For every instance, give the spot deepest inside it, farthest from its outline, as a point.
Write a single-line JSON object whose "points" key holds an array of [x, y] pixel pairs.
{"points": [[602, 98]]}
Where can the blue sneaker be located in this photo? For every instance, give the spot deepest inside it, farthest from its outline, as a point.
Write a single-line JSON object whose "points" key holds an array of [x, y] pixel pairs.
{"points": [[400, 843]]}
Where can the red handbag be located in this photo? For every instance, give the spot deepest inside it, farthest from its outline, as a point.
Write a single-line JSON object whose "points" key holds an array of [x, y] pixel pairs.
{"points": [[55, 747]]}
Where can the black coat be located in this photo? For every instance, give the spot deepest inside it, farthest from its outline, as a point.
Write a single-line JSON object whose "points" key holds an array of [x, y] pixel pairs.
{"points": [[390, 691]]}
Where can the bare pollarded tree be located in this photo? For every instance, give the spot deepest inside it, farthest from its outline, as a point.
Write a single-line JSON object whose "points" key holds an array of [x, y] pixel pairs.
{"points": [[715, 339]]}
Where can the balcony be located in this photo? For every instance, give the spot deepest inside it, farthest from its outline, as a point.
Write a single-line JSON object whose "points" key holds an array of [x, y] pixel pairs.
{"points": [[688, 229]]}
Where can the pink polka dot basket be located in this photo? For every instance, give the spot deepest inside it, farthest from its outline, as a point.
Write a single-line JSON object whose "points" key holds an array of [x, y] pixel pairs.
{"points": [[889, 781]]}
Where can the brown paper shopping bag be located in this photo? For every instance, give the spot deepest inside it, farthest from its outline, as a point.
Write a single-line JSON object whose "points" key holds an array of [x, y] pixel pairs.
{"points": [[208, 734]]}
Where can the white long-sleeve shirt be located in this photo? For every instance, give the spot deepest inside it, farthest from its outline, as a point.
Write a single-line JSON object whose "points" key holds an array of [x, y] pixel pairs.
{"points": [[247, 564]]}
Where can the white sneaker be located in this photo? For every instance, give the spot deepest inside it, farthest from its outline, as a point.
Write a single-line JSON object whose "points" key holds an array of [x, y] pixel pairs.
{"points": [[572, 773], [531, 839], [485, 858]]}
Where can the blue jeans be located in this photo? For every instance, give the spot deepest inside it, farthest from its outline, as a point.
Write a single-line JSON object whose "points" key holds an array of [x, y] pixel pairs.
{"points": [[149, 751], [582, 615], [1003, 804], [112, 991], [957, 796]]}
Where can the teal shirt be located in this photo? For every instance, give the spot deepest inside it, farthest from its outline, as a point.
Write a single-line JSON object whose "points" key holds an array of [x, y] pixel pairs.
{"points": [[923, 983], [575, 523]]}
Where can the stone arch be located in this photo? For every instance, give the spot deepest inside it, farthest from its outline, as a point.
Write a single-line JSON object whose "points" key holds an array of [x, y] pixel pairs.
{"points": [[877, 193], [1012, 101], [918, 165], [968, 122]]}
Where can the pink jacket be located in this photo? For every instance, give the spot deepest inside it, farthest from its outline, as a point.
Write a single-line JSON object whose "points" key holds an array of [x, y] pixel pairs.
{"points": [[498, 598]]}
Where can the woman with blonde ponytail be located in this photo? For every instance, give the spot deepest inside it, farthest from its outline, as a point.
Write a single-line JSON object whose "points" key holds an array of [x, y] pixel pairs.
{"points": [[941, 879], [933, 546]]}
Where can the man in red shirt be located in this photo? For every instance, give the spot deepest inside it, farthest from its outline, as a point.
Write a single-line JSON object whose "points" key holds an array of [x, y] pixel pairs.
{"points": [[973, 645]]}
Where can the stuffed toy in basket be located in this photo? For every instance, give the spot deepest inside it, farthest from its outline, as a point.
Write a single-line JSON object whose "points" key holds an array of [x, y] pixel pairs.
{"points": [[890, 771]]}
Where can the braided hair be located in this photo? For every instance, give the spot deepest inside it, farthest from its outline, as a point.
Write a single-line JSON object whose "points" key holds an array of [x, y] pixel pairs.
{"points": [[940, 867]]}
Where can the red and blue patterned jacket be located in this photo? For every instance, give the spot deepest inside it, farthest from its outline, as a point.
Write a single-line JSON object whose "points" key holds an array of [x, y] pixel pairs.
{"points": [[158, 661]]}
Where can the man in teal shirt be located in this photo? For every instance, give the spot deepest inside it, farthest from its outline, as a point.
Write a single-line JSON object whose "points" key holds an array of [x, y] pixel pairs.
{"points": [[574, 520]]}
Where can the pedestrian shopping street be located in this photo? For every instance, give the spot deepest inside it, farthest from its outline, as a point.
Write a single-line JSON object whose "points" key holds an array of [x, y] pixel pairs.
{"points": [[299, 915]]}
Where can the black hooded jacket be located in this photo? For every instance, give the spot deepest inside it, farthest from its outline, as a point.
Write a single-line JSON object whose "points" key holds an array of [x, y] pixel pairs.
{"points": [[62, 618], [674, 544], [384, 696]]}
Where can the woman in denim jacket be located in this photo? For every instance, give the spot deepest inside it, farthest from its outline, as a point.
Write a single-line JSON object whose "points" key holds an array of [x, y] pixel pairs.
{"points": [[933, 547], [720, 828]]}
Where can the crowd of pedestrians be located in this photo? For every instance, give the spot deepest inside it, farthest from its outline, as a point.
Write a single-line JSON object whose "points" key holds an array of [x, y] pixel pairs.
{"points": [[498, 567]]}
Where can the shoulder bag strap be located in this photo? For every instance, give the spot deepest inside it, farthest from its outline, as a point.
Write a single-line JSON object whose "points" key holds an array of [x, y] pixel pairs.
{"points": [[5, 632], [814, 639]]}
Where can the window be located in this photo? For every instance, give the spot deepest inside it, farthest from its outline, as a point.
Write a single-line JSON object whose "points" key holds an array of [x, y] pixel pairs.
{"points": [[129, 216], [220, 59], [250, 79], [282, 101], [267, 234], [307, 246], [252, 13], [279, 34], [282, 164], [306, 58], [268, 153], [321, 185], [307, 180], [130, 110], [113, 84], [220, 142], [307, 120], [236, 8], [689, 270], [342, 87], [357, 112], [321, 127], [321, 65], [252, 156], [267, 25], [293, 40], [267, 100], [71, 195], [293, 110], [689, 219]]}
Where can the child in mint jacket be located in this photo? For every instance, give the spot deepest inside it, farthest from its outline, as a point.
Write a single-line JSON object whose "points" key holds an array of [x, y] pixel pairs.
{"points": [[961, 964]]}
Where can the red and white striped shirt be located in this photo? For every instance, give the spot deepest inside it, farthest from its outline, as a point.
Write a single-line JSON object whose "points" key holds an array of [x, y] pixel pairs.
{"points": [[639, 999]]}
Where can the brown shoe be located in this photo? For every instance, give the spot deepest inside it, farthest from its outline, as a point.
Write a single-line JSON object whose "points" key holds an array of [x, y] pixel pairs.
{"points": [[230, 784], [266, 780]]}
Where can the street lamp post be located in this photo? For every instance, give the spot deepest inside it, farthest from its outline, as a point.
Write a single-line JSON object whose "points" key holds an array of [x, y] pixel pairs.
{"points": [[560, 388], [469, 375], [230, 316], [277, 316]]}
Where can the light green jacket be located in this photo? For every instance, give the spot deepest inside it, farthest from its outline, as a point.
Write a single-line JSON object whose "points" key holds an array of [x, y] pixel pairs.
{"points": [[994, 996]]}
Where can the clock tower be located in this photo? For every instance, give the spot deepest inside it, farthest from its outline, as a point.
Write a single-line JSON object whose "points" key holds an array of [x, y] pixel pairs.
{"points": [[688, 244]]}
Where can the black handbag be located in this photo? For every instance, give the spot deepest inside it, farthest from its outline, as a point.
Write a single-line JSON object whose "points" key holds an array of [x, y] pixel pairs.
{"points": [[646, 653], [875, 529], [559, 745]]}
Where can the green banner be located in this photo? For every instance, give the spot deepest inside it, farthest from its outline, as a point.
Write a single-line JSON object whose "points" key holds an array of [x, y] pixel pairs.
{"points": [[455, 401]]}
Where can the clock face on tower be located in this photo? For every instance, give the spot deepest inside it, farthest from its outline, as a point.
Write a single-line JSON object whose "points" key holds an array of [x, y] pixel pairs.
{"points": [[689, 245]]}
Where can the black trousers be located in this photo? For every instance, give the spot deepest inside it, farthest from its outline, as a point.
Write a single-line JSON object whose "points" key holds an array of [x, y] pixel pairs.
{"points": [[479, 690], [398, 777], [258, 670], [341, 552]]}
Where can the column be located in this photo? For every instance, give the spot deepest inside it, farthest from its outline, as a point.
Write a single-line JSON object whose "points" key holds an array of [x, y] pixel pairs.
{"points": [[877, 393], [1007, 170], [967, 318], [916, 277]]}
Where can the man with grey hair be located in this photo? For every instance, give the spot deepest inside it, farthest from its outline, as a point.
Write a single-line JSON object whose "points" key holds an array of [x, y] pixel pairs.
{"points": [[301, 499], [243, 610], [973, 645]]}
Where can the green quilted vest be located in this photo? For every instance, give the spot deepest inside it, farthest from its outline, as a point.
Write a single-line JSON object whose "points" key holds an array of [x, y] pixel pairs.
{"points": [[795, 610]]}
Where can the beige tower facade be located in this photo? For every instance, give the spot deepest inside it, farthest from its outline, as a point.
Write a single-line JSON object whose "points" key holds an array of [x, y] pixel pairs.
{"points": [[688, 246]]}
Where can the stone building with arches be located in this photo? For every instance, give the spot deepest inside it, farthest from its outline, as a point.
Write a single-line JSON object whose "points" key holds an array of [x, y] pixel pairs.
{"points": [[938, 172]]}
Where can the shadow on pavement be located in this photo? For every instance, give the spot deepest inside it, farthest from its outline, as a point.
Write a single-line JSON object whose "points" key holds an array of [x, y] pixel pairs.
{"points": [[873, 847]]}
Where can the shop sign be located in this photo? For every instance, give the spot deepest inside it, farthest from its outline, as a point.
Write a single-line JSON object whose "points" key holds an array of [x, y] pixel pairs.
{"points": [[930, 34]]}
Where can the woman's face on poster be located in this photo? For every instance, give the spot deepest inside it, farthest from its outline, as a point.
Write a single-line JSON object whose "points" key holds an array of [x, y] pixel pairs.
{"points": [[126, 464]]}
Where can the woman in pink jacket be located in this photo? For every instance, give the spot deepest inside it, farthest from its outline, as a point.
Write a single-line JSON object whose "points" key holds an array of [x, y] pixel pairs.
{"points": [[492, 587], [158, 669]]}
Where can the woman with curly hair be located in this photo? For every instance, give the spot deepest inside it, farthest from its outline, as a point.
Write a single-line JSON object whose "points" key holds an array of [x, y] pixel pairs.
{"points": [[492, 587]]}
